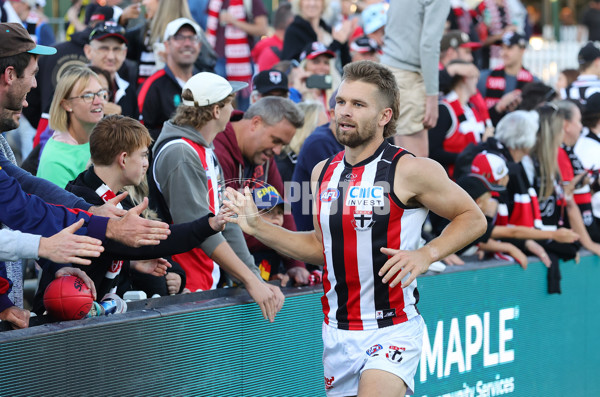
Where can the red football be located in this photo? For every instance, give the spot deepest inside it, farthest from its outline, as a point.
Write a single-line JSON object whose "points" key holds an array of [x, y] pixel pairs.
{"points": [[68, 298]]}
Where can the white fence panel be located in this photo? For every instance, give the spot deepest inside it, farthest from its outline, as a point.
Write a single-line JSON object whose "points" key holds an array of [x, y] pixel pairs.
{"points": [[545, 59]]}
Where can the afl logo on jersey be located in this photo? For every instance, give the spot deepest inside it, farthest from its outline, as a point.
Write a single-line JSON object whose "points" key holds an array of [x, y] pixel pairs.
{"points": [[329, 195]]}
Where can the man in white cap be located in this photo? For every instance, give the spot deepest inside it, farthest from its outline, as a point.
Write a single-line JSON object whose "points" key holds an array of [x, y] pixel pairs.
{"points": [[188, 181], [161, 93]]}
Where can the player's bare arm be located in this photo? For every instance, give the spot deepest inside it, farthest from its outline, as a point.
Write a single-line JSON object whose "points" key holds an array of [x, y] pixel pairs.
{"points": [[303, 246], [423, 182]]}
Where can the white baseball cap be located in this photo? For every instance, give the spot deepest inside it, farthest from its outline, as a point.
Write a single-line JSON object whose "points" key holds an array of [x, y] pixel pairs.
{"points": [[176, 24], [490, 166], [209, 88]]}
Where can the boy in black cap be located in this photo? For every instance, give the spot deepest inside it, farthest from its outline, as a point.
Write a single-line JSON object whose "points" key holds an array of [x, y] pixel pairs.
{"points": [[270, 82], [588, 81], [365, 49]]}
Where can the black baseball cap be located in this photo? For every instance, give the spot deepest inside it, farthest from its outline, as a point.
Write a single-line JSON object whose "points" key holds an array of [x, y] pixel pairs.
{"points": [[364, 45], [476, 185], [588, 53], [513, 38], [457, 38], [14, 40], [108, 29], [102, 14], [592, 105], [314, 49], [270, 80]]}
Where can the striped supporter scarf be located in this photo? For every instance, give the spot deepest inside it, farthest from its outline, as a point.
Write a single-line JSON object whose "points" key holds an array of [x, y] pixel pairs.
{"points": [[237, 48]]}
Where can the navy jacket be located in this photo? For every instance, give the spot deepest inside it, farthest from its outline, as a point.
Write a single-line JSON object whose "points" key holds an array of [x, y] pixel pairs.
{"points": [[30, 214]]}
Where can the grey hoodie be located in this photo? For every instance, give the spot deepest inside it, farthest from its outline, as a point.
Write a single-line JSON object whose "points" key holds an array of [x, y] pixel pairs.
{"points": [[184, 185]]}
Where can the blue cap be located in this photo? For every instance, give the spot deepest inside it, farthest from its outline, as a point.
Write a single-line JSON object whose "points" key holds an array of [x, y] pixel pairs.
{"points": [[266, 197]]}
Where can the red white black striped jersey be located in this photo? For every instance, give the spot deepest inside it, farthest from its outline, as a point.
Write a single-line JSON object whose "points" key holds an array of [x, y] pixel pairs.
{"points": [[358, 214], [581, 89]]}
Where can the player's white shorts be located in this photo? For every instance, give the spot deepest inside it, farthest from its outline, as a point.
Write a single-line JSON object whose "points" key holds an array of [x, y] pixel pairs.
{"points": [[346, 354]]}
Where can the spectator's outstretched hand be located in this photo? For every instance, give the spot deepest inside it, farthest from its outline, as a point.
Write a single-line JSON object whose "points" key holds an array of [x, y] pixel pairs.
{"points": [[109, 209], [134, 231], [155, 267], [17, 317], [453, 260], [299, 275], [218, 222], [73, 271], [68, 247], [539, 251]]}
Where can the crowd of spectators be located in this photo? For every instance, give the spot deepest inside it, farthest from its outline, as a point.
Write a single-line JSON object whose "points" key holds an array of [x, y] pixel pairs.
{"points": [[207, 95]]}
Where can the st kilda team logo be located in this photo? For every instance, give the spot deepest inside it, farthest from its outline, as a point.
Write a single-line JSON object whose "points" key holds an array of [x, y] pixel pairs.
{"points": [[363, 220], [394, 353]]}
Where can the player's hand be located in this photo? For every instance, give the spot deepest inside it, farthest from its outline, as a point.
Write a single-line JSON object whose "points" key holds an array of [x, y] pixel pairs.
{"points": [[155, 267], [242, 205], [17, 317], [413, 262], [68, 247], [173, 283], [73, 271], [135, 231]]}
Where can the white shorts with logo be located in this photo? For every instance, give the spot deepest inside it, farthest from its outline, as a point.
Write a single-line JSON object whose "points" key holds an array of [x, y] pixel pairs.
{"points": [[346, 354]]}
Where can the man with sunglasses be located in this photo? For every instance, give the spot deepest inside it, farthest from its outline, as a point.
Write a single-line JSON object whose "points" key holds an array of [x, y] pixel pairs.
{"points": [[161, 93], [107, 50]]}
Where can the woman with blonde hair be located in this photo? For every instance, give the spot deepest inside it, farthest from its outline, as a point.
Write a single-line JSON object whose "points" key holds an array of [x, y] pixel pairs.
{"points": [[314, 116], [308, 27], [77, 105], [557, 206]]}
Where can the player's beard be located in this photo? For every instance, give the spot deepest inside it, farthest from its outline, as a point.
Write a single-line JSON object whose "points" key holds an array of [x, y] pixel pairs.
{"points": [[361, 135]]}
